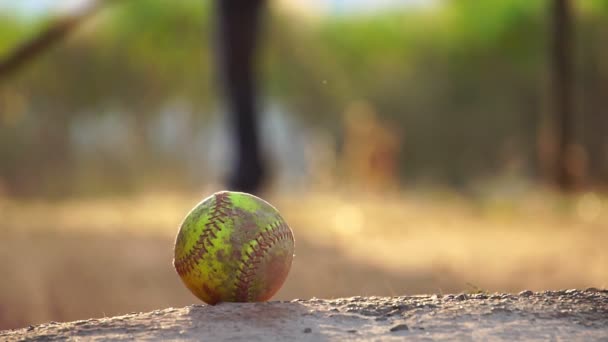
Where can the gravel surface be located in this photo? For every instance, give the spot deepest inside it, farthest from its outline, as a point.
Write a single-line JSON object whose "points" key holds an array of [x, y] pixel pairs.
{"points": [[569, 315]]}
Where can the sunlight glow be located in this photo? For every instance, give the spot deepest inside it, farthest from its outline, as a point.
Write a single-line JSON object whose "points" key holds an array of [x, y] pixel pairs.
{"points": [[348, 220], [589, 207]]}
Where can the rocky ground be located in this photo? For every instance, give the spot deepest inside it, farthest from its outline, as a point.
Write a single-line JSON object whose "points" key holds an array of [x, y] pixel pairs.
{"points": [[551, 315]]}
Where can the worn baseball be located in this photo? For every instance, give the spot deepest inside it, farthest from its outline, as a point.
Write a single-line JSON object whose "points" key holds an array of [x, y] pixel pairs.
{"points": [[233, 247]]}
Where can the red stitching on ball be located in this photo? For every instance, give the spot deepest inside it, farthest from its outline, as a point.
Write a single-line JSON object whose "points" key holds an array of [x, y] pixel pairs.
{"points": [[267, 238], [222, 203]]}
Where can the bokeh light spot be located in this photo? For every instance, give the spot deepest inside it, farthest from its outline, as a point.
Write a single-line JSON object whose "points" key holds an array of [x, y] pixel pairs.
{"points": [[589, 207]]}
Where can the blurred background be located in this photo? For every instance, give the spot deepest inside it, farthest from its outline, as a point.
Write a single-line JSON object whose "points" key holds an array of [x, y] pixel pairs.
{"points": [[413, 146]]}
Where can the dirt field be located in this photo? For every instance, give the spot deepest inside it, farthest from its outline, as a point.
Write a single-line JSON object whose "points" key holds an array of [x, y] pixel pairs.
{"points": [[86, 258], [549, 316]]}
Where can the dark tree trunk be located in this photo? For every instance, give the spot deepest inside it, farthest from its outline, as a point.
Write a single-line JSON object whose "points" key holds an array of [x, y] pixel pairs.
{"points": [[595, 104], [562, 93], [238, 24]]}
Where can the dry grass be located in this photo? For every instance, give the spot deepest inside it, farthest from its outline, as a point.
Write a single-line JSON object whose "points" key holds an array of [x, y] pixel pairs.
{"points": [[89, 258]]}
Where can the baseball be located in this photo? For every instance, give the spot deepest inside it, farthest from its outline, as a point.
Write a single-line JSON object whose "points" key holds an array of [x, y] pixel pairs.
{"points": [[233, 247]]}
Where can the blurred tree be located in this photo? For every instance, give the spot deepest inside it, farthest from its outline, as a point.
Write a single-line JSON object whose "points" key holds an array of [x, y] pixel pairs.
{"points": [[238, 22], [569, 160], [54, 33], [466, 81], [238, 39], [592, 42]]}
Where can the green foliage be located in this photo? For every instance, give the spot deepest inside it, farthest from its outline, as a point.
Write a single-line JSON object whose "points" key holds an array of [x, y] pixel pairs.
{"points": [[463, 82]]}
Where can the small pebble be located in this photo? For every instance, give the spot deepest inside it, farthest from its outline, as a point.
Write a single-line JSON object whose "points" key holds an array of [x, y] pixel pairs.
{"points": [[351, 331], [400, 327], [307, 330]]}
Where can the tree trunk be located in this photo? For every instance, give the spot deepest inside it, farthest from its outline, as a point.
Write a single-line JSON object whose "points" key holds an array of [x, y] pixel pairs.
{"points": [[568, 155], [238, 22]]}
